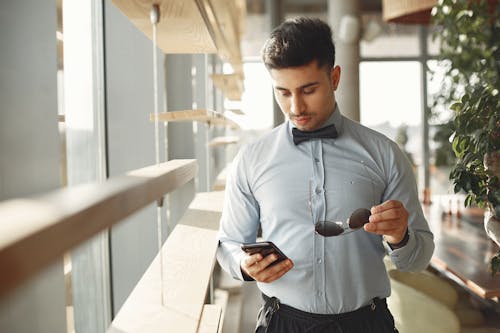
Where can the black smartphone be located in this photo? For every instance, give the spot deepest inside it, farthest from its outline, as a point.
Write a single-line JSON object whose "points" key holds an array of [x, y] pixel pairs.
{"points": [[264, 248]]}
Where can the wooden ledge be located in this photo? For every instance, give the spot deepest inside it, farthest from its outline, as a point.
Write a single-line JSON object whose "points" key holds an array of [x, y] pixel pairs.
{"points": [[36, 231], [192, 26], [228, 18], [211, 319], [182, 27], [207, 116], [187, 115], [237, 111], [231, 85], [188, 256], [188, 261], [223, 140]]}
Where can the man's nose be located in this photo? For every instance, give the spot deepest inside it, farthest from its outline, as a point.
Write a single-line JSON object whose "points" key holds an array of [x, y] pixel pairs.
{"points": [[297, 105]]}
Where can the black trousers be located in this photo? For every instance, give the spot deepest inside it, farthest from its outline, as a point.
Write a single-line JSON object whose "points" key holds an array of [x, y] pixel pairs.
{"points": [[275, 317]]}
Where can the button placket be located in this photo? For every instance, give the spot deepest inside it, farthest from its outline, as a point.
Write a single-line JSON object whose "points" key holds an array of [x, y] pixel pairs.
{"points": [[317, 198]]}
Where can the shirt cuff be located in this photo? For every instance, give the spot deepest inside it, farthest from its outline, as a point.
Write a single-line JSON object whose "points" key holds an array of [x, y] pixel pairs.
{"points": [[245, 276], [238, 272], [399, 256], [402, 243]]}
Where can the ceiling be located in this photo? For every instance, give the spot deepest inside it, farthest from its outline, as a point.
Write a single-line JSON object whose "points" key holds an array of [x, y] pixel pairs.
{"points": [[309, 6]]}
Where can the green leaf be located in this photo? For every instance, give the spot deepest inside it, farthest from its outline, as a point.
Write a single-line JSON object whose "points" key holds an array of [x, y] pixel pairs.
{"points": [[456, 106], [495, 264]]}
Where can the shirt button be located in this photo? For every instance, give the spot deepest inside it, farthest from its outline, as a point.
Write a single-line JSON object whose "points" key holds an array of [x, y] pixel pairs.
{"points": [[319, 261], [318, 191], [316, 160]]}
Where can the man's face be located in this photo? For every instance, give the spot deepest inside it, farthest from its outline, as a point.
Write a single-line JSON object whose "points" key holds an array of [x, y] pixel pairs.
{"points": [[305, 94]]}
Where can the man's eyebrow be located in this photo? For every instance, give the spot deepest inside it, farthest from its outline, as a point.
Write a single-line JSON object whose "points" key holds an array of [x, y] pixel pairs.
{"points": [[301, 87]]}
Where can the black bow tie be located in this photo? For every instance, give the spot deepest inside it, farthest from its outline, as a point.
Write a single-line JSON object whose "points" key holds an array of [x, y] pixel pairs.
{"points": [[327, 132]]}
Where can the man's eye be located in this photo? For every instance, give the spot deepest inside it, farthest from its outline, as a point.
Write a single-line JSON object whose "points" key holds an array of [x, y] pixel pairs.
{"points": [[309, 91], [284, 93]]}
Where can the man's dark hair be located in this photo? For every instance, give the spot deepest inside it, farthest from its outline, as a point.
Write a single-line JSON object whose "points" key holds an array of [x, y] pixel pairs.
{"points": [[297, 42]]}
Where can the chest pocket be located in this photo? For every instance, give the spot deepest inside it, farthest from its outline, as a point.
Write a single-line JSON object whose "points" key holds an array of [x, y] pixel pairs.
{"points": [[352, 185]]}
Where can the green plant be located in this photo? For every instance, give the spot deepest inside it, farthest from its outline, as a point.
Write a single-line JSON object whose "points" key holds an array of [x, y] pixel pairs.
{"points": [[468, 31], [477, 133], [443, 154]]}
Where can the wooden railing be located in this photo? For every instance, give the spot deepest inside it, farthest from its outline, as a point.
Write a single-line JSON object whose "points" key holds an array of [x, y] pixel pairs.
{"points": [[37, 231]]}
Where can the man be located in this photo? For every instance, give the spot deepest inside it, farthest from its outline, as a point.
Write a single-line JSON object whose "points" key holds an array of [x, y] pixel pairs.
{"points": [[319, 166]]}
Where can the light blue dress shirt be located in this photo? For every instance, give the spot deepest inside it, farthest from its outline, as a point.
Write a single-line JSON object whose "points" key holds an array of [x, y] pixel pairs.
{"points": [[288, 188]]}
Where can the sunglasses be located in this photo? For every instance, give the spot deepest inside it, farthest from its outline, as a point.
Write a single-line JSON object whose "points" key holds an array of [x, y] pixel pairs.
{"points": [[357, 219]]}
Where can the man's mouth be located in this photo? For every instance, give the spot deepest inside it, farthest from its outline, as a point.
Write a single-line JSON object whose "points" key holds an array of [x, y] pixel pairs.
{"points": [[301, 120]]}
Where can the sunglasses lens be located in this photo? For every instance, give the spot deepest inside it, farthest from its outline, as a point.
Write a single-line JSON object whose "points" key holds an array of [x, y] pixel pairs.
{"points": [[328, 229], [359, 218]]}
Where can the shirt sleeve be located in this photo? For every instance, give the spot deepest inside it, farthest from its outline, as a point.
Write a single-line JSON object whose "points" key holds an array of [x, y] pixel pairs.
{"points": [[416, 254], [240, 217]]}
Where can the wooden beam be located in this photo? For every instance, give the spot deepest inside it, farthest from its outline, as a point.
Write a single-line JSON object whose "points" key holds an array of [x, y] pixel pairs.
{"points": [[189, 258], [192, 26], [36, 231], [182, 27], [223, 141], [206, 116], [231, 85], [237, 111], [187, 115], [210, 319], [209, 202], [226, 17], [408, 11], [221, 298]]}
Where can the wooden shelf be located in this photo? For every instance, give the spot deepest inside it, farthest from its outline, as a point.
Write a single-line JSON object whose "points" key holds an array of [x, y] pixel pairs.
{"points": [[36, 231], [189, 258], [223, 140], [237, 111], [408, 11], [231, 85], [210, 319], [206, 116], [228, 17], [182, 27], [192, 26]]}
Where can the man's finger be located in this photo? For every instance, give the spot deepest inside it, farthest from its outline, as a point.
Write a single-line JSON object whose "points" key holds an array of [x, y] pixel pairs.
{"points": [[387, 215], [389, 204], [275, 272], [252, 259], [261, 265], [382, 228]]}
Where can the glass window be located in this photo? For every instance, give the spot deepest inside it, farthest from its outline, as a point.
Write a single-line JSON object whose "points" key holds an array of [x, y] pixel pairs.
{"points": [[257, 100], [393, 40], [442, 156], [391, 103]]}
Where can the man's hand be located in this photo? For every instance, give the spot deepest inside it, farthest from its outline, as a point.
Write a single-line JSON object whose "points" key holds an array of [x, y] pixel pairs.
{"points": [[389, 219], [258, 268]]}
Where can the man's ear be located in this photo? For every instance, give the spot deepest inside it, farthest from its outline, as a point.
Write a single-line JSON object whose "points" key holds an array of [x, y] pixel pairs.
{"points": [[335, 76]]}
